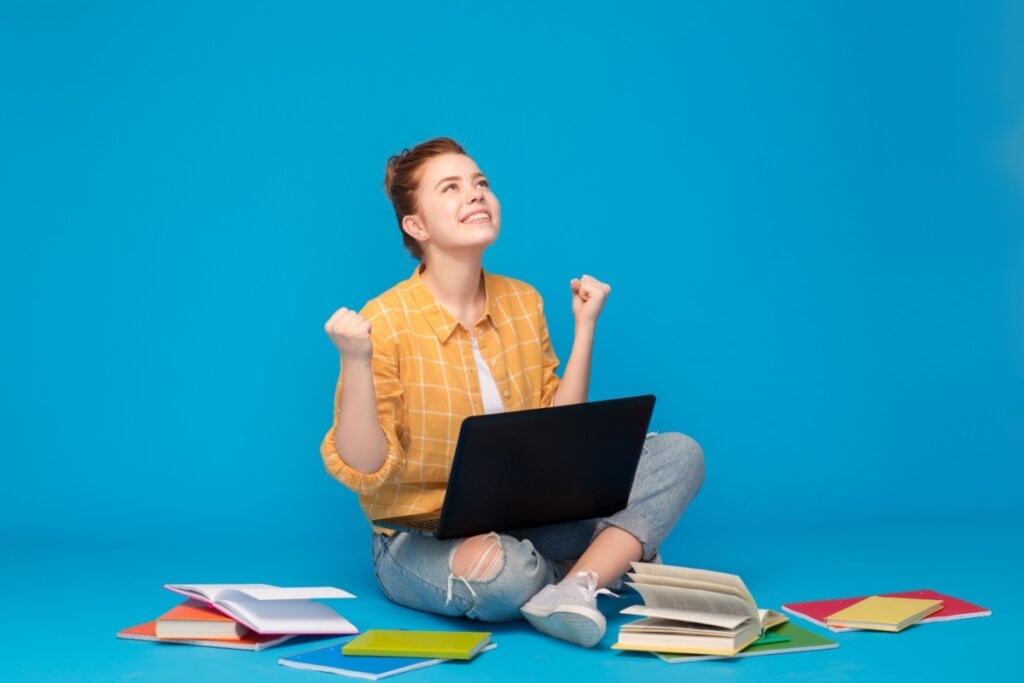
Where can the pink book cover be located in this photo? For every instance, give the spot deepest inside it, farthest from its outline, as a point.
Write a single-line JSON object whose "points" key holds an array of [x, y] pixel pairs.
{"points": [[817, 611]]}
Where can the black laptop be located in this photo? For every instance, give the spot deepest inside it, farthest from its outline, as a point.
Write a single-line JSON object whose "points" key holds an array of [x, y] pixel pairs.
{"points": [[534, 467]]}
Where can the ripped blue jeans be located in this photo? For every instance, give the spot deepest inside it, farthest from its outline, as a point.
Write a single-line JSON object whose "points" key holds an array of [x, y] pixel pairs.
{"points": [[416, 571]]}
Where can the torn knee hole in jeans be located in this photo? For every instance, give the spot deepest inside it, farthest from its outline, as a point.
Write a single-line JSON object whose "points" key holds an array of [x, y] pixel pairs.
{"points": [[478, 559]]}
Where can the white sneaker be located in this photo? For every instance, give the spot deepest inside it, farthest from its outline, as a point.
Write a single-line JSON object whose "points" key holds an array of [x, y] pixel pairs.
{"points": [[568, 610]]}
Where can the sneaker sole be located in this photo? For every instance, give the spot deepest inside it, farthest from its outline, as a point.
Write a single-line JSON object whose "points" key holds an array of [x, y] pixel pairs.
{"points": [[576, 625]]}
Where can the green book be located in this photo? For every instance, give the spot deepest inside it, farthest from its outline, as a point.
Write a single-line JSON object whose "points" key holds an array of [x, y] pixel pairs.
{"points": [[431, 644], [770, 637], [797, 640]]}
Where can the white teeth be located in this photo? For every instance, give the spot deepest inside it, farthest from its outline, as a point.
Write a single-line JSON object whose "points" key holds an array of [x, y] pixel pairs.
{"points": [[477, 218]]}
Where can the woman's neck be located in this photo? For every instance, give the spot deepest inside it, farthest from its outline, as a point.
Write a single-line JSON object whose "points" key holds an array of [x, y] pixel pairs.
{"points": [[458, 286]]}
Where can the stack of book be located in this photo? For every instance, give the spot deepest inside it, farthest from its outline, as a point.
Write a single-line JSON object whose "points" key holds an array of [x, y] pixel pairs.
{"points": [[381, 652], [692, 611], [243, 616], [887, 612], [695, 614]]}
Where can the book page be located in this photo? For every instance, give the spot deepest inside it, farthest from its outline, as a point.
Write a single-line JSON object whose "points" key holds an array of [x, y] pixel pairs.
{"points": [[696, 601], [260, 592], [770, 618], [283, 616], [208, 592], [722, 622], [697, 575], [670, 626], [688, 583]]}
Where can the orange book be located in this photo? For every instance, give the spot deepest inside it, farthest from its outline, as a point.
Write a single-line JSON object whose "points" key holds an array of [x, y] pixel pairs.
{"points": [[193, 619], [253, 641]]}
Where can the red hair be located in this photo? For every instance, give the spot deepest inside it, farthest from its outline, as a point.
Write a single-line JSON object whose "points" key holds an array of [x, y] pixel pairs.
{"points": [[402, 178]]}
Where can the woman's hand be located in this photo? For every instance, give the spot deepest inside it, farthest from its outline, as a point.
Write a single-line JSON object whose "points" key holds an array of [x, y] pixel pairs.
{"points": [[588, 295], [350, 332]]}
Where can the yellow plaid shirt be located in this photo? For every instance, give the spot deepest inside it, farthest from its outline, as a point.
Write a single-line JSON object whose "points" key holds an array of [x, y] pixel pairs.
{"points": [[426, 383]]}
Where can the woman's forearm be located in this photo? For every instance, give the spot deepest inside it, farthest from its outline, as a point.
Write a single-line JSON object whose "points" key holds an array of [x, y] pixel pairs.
{"points": [[575, 383], [358, 437]]}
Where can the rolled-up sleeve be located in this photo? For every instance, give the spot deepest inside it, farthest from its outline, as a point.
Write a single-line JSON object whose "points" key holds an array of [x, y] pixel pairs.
{"points": [[549, 361], [388, 390]]}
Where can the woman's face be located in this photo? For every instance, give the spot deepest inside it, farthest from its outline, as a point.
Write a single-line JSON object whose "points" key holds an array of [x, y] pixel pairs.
{"points": [[457, 210]]}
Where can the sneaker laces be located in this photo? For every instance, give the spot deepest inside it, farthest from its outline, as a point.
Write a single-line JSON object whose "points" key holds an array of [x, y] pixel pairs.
{"points": [[587, 582]]}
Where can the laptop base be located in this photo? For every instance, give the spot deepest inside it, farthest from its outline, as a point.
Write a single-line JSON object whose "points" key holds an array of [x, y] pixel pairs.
{"points": [[423, 524]]}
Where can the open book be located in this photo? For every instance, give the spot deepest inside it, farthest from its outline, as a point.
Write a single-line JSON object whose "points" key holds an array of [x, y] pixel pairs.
{"points": [[272, 609], [692, 611]]}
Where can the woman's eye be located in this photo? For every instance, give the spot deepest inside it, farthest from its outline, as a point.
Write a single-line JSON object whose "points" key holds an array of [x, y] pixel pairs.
{"points": [[483, 183], [449, 186]]}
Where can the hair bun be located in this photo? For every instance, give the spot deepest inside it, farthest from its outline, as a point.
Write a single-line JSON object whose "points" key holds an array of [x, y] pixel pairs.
{"points": [[391, 170]]}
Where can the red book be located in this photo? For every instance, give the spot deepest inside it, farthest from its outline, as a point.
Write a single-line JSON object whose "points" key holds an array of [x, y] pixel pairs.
{"points": [[193, 619], [817, 611]]}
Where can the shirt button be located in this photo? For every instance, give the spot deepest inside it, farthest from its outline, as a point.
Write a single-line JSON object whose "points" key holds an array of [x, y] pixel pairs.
{"points": [[505, 393]]}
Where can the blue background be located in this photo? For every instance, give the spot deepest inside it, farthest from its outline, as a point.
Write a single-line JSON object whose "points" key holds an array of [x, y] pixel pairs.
{"points": [[811, 216]]}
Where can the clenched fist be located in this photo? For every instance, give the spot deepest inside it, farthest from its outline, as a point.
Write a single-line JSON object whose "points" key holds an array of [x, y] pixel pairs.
{"points": [[588, 295], [350, 332]]}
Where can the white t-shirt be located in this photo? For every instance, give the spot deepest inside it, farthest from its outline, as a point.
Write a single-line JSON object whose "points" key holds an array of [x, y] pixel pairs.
{"points": [[488, 387]]}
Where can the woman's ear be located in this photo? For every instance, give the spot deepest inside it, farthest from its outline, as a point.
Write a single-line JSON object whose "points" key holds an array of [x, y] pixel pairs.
{"points": [[413, 226]]}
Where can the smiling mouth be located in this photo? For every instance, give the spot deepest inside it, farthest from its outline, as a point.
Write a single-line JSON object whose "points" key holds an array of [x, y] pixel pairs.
{"points": [[478, 217]]}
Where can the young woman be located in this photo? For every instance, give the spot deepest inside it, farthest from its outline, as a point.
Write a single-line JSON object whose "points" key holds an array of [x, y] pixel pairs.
{"points": [[453, 341]]}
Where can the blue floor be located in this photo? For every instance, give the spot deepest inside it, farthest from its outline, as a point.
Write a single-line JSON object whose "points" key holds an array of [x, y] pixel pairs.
{"points": [[63, 606]]}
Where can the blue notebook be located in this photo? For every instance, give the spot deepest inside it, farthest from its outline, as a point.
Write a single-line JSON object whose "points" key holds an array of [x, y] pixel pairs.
{"points": [[331, 660]]}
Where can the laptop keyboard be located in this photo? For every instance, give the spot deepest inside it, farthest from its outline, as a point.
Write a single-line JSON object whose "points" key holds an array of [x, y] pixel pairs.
{"points": [[430, 524]]}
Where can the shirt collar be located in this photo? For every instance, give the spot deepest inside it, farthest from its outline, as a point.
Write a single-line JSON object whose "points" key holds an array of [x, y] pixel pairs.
{"points": [[442, 322]]}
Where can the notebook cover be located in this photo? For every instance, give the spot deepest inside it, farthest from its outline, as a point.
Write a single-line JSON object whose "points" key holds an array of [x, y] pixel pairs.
{"points": [[797, 639], [816, 611], [429, 644], [331, 659], [885, 613]]}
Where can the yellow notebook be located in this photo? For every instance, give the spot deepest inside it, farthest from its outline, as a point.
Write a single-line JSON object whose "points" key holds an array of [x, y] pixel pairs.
{"points": [[432, 644], [878, 613]]}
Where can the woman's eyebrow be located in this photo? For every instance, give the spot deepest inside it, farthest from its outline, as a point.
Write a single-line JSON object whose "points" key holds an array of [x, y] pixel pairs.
{"points": [[457, 177], [442, 181]]}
